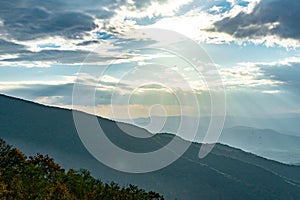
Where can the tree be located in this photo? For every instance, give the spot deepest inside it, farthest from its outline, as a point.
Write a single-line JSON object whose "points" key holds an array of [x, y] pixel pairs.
{"points": [[39, 177]]}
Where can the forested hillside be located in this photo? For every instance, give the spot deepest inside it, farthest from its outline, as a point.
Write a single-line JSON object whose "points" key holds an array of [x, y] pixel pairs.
{"points": [[39, 177], [226, 173]]}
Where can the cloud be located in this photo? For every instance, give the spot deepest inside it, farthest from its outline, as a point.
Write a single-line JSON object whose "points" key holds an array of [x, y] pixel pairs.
{"points": [[246, 76], [42, 92], [152, 8], [147, 3], [26, 27], [267, 77], [289, 61], [51, 55], [64, 32], [61, 33], [59, 56], [288, 74], [269, 18], [28, 20], [7, 47], [41, 54], [24, 20]]}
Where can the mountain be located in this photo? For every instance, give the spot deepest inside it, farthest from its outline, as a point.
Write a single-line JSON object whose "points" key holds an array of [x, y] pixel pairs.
{"points": [[264, 142], [226, 173], [285, 124]]}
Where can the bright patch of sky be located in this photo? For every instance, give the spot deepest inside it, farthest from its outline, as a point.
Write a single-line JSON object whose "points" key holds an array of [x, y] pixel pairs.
{"points": [[253, 43]]}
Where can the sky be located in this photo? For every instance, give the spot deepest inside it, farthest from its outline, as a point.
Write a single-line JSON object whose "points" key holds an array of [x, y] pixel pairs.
{"points": [[48, 46]]}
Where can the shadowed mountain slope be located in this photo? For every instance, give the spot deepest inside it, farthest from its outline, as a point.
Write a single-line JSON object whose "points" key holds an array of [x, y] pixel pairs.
{"points": [[226, 173]]}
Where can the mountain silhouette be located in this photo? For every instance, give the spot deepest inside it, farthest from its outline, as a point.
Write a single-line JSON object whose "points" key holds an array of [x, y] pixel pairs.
{"points": [[226, 173]]}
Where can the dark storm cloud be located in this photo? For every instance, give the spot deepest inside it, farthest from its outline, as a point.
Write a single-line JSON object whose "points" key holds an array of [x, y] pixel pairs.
{"points": [[31, 19], [257, 24], [23, 20], [66, 56], [7, 47], [32, 23]]}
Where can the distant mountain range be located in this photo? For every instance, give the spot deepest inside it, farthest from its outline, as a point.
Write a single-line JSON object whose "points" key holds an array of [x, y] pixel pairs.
{"points": [[226, 173], [285, 124], [264, 142]]}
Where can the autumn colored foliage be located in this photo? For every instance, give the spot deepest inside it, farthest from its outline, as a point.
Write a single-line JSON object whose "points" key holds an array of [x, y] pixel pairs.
{"points": [[39, 177]]}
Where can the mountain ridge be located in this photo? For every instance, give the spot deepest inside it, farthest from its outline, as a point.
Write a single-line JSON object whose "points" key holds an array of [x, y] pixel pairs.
{"points": [[267, 143], [226, 173]]}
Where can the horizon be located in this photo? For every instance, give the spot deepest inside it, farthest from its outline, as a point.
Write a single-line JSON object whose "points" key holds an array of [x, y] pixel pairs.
{"points": [[201, 70], [190, 99], [238, 131], [258, 70]]}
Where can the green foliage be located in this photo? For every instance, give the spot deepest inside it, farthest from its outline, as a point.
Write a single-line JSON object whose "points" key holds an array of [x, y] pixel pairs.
{"points": [[39, 177]]}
